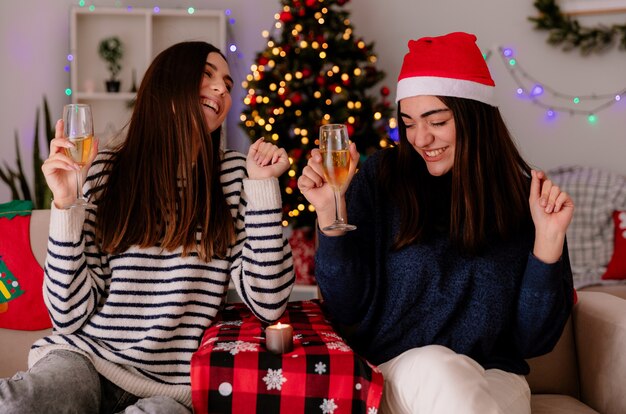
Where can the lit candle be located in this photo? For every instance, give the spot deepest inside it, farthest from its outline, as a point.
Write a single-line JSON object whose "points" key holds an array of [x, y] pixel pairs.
{"points": [[279, 338]]}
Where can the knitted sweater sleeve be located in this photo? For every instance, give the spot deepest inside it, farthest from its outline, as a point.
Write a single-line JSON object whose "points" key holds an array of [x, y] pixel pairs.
{"points": [[545, 302], [262, 266], [75, 272], [345, 265]]}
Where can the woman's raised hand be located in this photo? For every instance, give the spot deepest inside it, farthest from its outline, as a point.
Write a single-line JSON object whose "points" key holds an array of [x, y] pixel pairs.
{"points": [[552, 211], [59, 169], [266, 160], [318, 191]]}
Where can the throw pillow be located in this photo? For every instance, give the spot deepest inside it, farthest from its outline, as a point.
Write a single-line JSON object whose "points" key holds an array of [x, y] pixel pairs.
{"points": [[617, 266], [596, 193]]}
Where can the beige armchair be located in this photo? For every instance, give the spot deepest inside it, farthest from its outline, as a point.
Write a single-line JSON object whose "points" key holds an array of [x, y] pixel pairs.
{"points": [[586, 372]]}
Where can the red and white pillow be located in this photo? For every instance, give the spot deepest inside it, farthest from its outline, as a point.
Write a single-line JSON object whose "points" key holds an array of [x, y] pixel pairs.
{"points": [[616, 268]]}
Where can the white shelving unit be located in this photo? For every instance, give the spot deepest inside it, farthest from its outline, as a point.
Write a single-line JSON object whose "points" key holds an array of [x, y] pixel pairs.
{"points": [[144, 34]]}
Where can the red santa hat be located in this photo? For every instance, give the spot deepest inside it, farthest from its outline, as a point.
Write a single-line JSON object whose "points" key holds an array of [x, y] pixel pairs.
{"points": [[449, 65]]}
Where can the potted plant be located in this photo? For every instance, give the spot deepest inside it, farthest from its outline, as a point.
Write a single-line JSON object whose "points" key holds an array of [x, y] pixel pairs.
{"points": [[15, 178], [111, 49]]}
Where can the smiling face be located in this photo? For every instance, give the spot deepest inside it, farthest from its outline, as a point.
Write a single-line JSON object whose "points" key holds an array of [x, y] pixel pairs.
{"points": [[430, 129], [215, 90]]}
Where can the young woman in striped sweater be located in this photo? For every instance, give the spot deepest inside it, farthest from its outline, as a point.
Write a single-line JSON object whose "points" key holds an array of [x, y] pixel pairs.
{"points": [[132, 284]]}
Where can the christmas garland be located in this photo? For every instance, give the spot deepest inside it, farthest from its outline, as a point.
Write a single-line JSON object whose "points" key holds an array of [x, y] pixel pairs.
{"points": [[568, 31]]}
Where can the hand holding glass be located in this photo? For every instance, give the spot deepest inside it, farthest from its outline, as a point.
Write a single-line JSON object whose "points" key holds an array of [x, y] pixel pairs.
{"points": [[78, 128], [335, 151]]}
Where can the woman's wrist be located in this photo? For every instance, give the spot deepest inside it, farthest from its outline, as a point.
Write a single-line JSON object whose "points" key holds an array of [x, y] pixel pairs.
{"points": [[549, 248], [326, 219], [63, 203]]}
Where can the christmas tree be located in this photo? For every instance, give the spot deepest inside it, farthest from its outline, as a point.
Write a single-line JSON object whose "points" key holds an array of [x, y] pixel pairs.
{"points": [[314, 71]]}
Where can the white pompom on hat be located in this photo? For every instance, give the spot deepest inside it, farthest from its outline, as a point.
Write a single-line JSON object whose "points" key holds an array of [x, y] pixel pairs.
{"points": [[448, 65]]}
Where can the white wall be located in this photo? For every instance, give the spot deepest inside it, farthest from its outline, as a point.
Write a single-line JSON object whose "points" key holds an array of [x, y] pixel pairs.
{"points": [[34, 39]]}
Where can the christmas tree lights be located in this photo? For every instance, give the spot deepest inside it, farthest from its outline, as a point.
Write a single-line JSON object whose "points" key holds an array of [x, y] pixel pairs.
{"points": [[313, 71]]}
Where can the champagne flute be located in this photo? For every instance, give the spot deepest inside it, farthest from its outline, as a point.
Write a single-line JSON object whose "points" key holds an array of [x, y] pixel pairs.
{"points": [[335, 151], [78, 128]]}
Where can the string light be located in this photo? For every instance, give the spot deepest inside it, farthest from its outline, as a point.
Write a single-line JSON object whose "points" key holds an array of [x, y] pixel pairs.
{"points": [[531, 89], [537, 90]]}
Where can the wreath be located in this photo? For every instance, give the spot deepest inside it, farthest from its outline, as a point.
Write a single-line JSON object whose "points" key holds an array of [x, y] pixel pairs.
{"points": [[566, 31]]}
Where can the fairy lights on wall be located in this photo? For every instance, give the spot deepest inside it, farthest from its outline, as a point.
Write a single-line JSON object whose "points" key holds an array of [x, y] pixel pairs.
{"points": [[539, 93], [528, 88]]}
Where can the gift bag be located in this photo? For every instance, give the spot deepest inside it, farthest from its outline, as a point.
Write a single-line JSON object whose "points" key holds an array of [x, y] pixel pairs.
{"points": [[21, 277]]}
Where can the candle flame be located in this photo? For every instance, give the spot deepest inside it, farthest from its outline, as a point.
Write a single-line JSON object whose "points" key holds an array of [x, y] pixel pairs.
{"points": [[279, 325]]}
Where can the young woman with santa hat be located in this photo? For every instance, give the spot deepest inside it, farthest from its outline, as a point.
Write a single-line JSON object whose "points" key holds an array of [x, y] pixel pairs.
{"points": [[458, 269]]}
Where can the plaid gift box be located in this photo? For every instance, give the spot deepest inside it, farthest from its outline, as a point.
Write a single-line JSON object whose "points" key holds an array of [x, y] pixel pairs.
{"points": [[233, 372]]}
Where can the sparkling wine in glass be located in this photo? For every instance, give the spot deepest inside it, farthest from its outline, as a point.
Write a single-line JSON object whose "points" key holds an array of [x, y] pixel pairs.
{"points": [[335, 151], [78, 127]]}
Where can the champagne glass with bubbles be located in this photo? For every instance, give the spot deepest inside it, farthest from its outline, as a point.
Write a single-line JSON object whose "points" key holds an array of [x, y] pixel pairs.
{"points": [[78, 128], [335, 151]]}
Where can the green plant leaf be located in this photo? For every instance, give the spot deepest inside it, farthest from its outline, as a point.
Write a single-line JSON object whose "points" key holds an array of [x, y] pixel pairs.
{"points": [[47, 193], [41, 190], [20, 171], [7, 177], [16, 179], [37, 162]]}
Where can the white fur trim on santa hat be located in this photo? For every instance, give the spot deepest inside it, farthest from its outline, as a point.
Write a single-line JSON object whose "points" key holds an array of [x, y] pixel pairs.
{"points": [[432, 85]]}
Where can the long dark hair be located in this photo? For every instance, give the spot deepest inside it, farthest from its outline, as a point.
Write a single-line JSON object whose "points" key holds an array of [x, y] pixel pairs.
{"points": [[489, 181], [159, 192]]}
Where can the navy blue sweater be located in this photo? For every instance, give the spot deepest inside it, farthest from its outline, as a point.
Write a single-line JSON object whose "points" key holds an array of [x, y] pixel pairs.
{"points": [[499, 307]]}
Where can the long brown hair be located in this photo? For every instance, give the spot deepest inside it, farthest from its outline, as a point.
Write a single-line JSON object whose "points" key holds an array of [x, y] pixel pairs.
{"points": [[489, 181], [159, 192]]}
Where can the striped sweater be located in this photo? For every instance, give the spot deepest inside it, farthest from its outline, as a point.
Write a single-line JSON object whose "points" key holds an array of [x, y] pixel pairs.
{"points": [[140, 315]]}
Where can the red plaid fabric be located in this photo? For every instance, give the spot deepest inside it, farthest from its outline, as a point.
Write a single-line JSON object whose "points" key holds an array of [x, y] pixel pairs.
{"points": [[233, 372]]}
